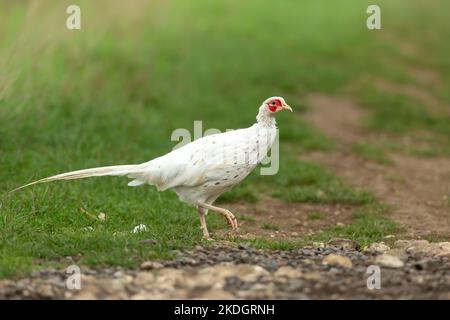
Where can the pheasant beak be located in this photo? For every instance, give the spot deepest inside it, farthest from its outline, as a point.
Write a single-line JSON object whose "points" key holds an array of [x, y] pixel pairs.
{"points": [[285, 106]]}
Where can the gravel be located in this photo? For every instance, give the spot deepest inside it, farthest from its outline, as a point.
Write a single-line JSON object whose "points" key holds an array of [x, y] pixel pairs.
{"points": [[337, 270]]}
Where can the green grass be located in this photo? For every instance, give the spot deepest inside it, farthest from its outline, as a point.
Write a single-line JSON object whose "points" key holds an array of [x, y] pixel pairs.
{"points": [[437, 238], [270, 226], [113, 92], [370, 224], [245, 217], [399, 114], [316, 215], [308, 182], [245, 193], [372, 152]]}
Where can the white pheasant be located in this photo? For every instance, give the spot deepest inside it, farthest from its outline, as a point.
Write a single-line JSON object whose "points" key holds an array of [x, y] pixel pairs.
{"points": [[199, 172]]}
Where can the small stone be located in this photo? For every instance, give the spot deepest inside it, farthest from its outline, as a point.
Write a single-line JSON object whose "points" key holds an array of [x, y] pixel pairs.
{"points": [[294, 234], [340, 224], [85, 295], [424, 247], [400, 253], [140, 228], [151, 265], [167, 278], [288, 272], [102, 216], [125, 279], [345, 244], [313, 276], [441, 249], [144, 279], [243, 246], [215, 294], [272, 265], [46, 291], [249, 273], [389, 261], [377, 247], [337, 260], [319, 244]]}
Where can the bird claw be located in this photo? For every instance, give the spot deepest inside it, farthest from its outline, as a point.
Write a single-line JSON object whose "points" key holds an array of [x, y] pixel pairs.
{"points": [[232, 221]]}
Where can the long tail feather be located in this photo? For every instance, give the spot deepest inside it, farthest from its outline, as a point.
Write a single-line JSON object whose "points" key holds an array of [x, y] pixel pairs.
{"points": [[80, 174]]}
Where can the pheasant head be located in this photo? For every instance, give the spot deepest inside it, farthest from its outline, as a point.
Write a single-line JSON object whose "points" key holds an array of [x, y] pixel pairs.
{"points": [[269, 108]]}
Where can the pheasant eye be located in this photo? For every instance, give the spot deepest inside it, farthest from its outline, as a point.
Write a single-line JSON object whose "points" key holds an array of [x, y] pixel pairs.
{"points": [[274, 103]]}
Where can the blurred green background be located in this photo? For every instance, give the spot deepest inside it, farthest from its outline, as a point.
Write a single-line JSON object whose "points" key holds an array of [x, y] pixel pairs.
{"points": [[113, 92]]}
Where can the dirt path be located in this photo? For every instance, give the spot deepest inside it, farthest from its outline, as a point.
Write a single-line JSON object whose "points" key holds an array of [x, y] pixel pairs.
{"points": [[273, 218], [416, 188]]}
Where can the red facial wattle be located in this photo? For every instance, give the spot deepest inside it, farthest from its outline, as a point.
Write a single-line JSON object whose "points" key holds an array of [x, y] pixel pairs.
{"points": [[274, 105]]}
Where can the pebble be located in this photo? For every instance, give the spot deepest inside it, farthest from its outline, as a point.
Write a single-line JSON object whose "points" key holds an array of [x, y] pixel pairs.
{"points": [[143, 279], [140, 228], [344, 244], [377, 247], [389, 261], [216, 271], [424, 247], [102, 216], [319, 244], [337, 260], [288, 272], [151, 265], [247, 272]]}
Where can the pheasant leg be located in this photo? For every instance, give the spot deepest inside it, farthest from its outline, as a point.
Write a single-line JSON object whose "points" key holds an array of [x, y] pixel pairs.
{"points": [[202, 216], [226, 213]]}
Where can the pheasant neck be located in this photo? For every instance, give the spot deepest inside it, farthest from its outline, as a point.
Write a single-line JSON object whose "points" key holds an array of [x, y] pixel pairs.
{"points": [[266, 120]]}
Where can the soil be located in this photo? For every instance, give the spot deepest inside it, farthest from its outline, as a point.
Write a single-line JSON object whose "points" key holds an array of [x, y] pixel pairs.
{"points": [[417, 188], [273, 218], [419, 94]]}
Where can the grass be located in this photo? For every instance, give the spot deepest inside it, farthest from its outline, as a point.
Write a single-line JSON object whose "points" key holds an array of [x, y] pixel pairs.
{"points": [[399, 114], [245, 193], [270, 226], [437, 238], [372, 152], [316, 215], [370, 224], [245, 217], [308, 182], [113, 92]]}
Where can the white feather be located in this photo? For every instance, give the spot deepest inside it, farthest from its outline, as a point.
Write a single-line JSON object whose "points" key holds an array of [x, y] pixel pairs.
{"points": [[201, 170]]}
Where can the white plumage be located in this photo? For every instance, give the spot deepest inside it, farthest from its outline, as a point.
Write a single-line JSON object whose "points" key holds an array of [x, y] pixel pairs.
{"points": [[199, 172]]}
